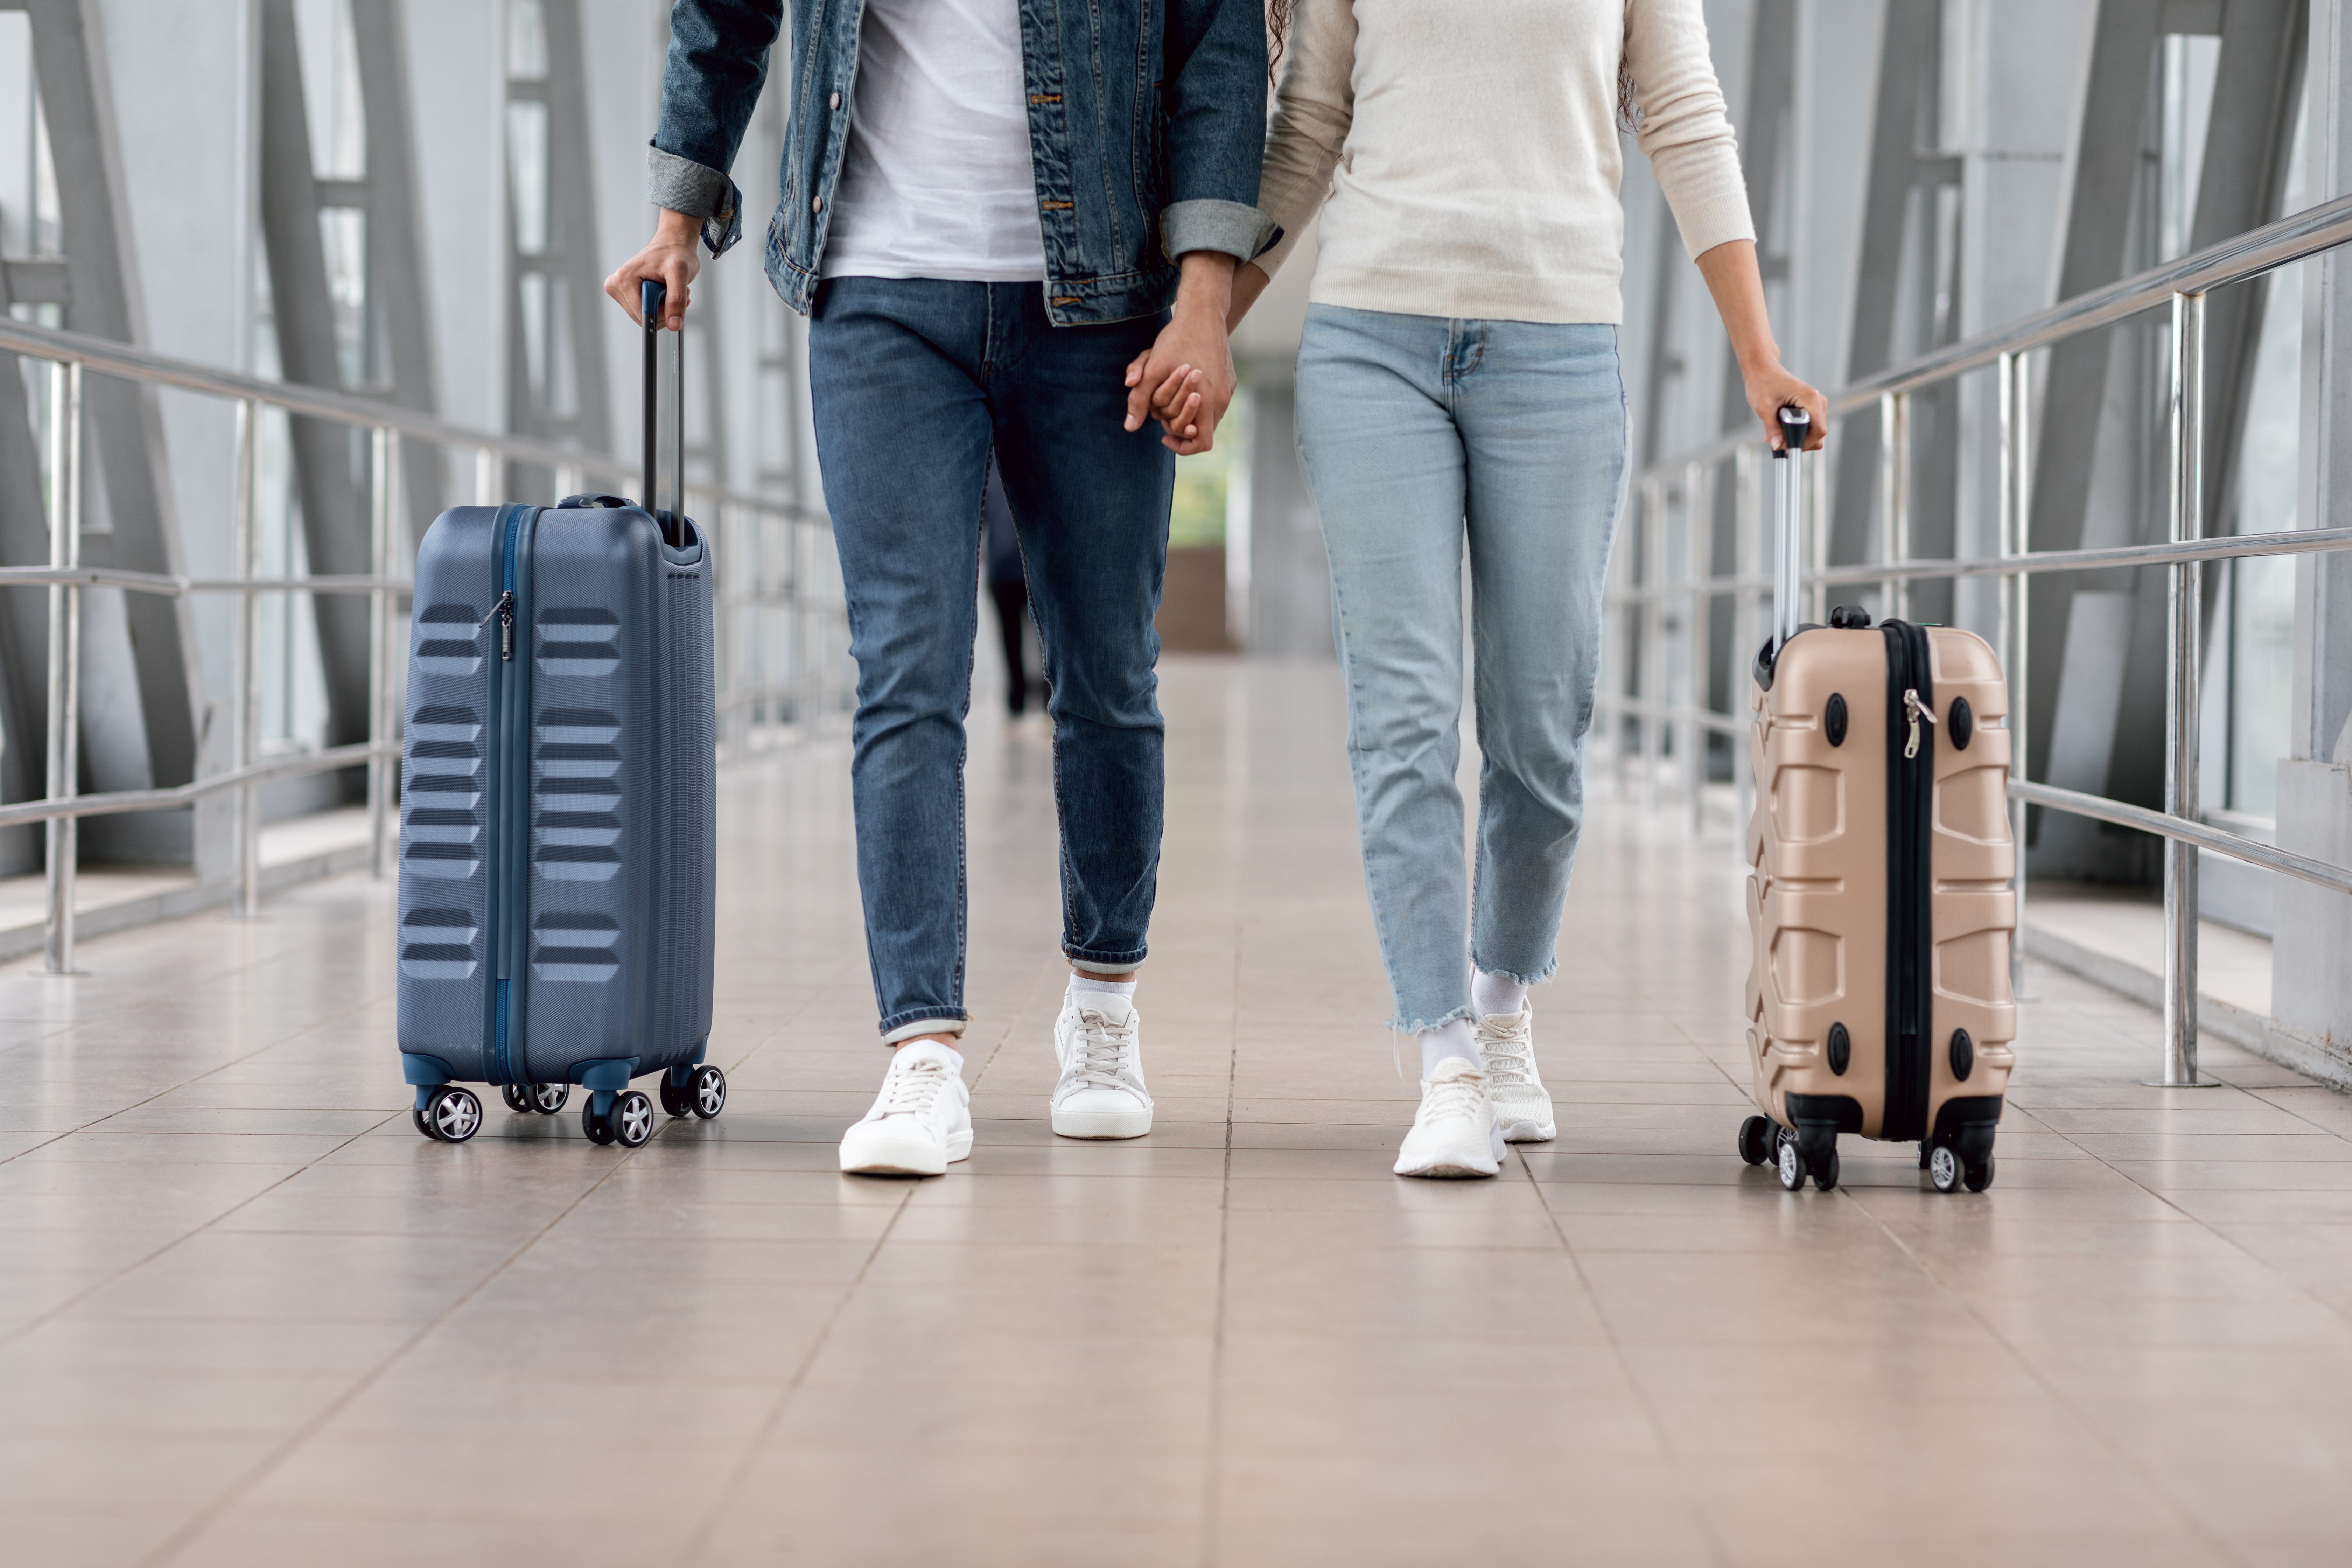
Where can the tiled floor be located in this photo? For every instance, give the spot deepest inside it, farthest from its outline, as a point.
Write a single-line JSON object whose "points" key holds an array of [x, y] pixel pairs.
{"points": [[247, 1317]]}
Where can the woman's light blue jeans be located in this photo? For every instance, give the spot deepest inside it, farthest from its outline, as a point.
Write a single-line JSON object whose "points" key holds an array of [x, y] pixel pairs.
{"points": [[1420, 435]]}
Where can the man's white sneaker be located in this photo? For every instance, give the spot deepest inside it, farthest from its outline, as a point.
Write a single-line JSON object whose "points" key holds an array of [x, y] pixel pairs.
{"points": [[1098, 1040], [921, 1121], [1454, 1133], [1507, 1046]]}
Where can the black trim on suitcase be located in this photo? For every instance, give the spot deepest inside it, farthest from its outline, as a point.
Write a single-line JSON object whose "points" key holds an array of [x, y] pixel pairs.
{"points": [[1840, 1111], [1910, 886]]}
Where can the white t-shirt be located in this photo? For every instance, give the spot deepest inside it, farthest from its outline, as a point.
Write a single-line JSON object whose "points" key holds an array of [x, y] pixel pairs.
{"points": [[937, 181]]}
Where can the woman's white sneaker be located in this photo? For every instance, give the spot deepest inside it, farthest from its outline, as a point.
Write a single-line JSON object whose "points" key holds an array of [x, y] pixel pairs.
{"points": [[1454, 1133], [921, 1121], [1098, 1041], [1507, 1048]]}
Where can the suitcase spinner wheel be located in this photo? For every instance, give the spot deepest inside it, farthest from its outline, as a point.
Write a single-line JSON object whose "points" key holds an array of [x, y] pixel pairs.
{"points": [[451, 1115], [1793, 1155], [1950, 1169], [703, 1094], [628, 1118], [546, 1099]]}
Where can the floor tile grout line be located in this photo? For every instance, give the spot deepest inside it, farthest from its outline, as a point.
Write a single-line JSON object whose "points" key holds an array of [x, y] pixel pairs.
{"points": [[33, 1325], [785, 1024], [2026, 1364], [189, 1532], [1028, 1001], [1214, 1470], [1617, 1351], [218, 1068], [2258, 1094], [700, 1535], [2289, 1280]]}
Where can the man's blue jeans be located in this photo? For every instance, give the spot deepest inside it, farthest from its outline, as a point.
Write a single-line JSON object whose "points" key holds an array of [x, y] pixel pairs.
{"points": [[1422, 435], [915, 381]]}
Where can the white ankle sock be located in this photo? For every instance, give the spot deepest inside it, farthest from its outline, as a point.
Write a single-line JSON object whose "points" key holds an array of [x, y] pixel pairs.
{"points": [[955, 1057], [1085, 983], [1492, 994], [1450, 1039]]}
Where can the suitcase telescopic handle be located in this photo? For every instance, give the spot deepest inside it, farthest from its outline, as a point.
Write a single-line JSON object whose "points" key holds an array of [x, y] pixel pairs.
{"points": [[652, 297], [1788, 470]]}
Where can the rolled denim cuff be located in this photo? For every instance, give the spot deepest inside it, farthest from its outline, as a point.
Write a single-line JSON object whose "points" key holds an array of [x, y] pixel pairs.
{"points": [[1096, 966], [917, 1027], [1235, 229], [698, 190]]}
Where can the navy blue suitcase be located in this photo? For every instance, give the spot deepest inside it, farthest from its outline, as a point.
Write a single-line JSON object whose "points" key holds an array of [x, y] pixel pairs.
{"points": [[559, 836]]}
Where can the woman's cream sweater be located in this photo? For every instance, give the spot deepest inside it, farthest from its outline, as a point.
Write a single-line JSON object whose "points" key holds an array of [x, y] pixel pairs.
{"points": [[1469, 151]]}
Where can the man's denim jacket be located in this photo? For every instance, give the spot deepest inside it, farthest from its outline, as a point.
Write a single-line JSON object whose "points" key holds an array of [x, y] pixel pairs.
{"points": [[1146, 123]]}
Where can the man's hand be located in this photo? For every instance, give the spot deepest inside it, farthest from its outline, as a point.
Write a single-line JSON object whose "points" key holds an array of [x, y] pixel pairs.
{"points": [[1186, 380], [669, 258], [1250, 280]]}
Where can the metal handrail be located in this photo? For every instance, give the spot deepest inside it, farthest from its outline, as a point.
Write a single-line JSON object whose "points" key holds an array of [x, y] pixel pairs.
{"points": [[117, 802], [109, 357], [2234, 261], [71, 355], [2224, 547], [2182, 285]]}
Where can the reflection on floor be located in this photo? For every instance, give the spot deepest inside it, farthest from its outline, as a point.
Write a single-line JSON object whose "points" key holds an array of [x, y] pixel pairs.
{"points": [[248, 1317], [109, 899]]}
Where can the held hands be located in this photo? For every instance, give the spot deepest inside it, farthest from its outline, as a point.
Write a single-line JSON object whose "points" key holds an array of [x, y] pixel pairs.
{"points": [[1185, 380], [669, 258]]}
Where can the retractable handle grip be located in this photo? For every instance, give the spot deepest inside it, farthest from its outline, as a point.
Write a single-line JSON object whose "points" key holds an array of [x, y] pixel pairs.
{"points": [[1796, 425], [1789, 468], [653, 297]]}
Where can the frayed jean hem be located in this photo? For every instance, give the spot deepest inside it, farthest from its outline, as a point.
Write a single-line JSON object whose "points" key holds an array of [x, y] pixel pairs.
{"points": [[1514, 976], [1465, 1013]]}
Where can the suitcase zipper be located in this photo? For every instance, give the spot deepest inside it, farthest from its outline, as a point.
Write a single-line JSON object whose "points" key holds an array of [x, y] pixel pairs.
{"points": [[1910, 802], [1919, 712], [503, 612], [510, 763]]}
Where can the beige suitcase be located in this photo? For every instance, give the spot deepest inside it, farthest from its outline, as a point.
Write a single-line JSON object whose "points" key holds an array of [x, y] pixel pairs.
{"points": [[1878, 894]]}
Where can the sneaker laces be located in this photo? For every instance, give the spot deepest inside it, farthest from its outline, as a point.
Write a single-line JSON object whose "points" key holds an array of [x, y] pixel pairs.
{"points": [[913, 1087], [1507, 1057], [1098, 1048], [1457, 1096]]}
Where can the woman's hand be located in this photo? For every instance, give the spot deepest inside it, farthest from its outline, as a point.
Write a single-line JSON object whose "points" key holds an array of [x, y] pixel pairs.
{"points": [[1770, 388], [1737, 286]]}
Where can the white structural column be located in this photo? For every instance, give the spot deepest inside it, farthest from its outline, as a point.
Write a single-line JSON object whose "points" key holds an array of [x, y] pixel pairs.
{"points": [[2311, 988]]}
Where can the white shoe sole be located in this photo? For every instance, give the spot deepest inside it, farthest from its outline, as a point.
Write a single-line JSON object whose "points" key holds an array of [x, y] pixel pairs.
{"points": [[1456, 1162], [1528, 1132], [1449, 1166], [904, 1156], [1101, 1123]]}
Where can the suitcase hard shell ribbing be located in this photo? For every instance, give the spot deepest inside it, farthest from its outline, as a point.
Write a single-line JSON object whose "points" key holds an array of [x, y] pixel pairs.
{"points": [[558, 814], [1879, 901]]}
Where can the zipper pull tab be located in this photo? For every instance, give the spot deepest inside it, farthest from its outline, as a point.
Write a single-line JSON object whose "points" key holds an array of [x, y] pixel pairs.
{"points": [[1918, 712], [503, 612]]}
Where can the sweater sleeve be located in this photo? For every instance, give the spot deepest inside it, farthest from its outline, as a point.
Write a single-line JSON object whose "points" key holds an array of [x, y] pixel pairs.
{"points": [[1686, 132], [1313, 107]]}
